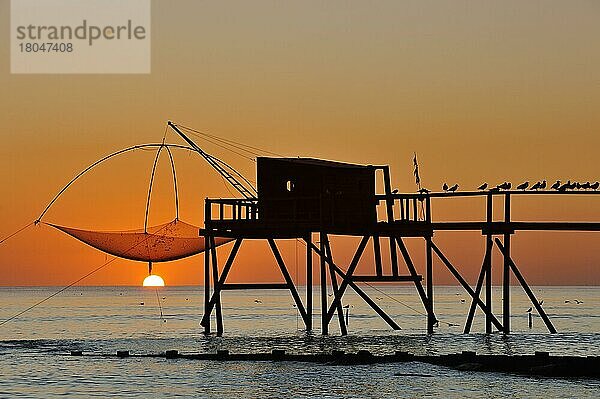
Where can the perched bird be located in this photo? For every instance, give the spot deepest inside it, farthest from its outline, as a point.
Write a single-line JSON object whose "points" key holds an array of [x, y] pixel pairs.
{"points": [[504, 186], [257, 301], [529, 310], [573, 185], [586, 185], [565, 186], [453, 188], [482, 187], [523, 186], [578, 186], [395, 191], [543, 185], [595, 186], [536, 186], [556, 185], [142, 303], [445, 187], [423, 191]]}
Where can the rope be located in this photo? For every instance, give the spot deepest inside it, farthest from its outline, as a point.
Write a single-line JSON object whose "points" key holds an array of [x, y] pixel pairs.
{"points": [[16, 232], [159, 305], [406, 305], [232, 143]]}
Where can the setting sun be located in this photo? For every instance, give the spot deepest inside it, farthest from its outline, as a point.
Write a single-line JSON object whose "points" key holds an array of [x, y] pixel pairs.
{"points": [[153, 281]]}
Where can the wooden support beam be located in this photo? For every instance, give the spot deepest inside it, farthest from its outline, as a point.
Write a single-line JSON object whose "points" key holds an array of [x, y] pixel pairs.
{"points": [[465, 285], [488, 271], [217, 294], [386, 279], [288, 279], [334, 286], [323, 282], [475, 296], [254, 286], [413, 272], [207, 307], [347, 279], [218, 286], [431, 320], [389, 202], [377, 254], [525, 286], [366, 298], [506, 271], [351, 268], [309, 283]]}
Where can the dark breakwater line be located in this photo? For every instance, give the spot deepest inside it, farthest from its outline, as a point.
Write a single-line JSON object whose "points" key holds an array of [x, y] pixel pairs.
{"points": [[541, 363]]}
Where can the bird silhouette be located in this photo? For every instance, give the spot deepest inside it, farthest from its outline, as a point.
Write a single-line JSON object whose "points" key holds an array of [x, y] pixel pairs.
{"points": [[423, 191], [565, 186], [257, 301], [395, 191], [595, 186], [482, 187], [504, 186], [453, 188], [586, 185], [523, 186], [536, 186], [529, 310], [556, 185], [445, 187], [543, 185]]}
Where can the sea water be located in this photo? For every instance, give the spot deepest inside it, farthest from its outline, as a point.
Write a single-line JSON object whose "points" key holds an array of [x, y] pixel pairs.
{"points": [[34, 347]]}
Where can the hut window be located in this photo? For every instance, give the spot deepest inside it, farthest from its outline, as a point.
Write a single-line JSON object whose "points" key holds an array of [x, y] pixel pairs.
{"points": [[289, 186]]}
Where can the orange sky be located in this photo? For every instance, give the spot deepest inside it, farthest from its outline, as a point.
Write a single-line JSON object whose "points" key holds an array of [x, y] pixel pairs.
{"points": [[483, 91]]}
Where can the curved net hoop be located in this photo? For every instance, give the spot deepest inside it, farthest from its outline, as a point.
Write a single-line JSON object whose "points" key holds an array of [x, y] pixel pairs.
{"points": [[169, 241]]}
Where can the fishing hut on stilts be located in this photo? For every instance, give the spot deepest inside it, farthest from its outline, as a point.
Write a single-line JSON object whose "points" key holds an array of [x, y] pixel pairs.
{"points": [[310, 200]]}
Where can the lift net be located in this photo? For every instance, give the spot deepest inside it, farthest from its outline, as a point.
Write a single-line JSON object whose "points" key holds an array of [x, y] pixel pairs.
{"points": [[162, 243]]}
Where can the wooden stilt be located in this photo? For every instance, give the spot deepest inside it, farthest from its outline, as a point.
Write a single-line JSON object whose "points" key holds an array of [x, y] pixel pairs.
{"points": [[334, 286], [288, 279], [357, 255], [207, 308], [477, 292], [217, 294], [377, 253], [219, 284], [419, 286], [431, 321], [323, 281], [488, 272], [506, 276], [309, 283]]}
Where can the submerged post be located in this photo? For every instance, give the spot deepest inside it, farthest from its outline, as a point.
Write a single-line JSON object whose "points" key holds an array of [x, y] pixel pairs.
{"points": [[309, 282], [323, 281], [506, 276], [488, 266]]}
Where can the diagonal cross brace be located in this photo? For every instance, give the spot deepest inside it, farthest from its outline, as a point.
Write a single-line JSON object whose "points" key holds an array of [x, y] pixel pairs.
{"points": [[525, 286], [466, 286]]}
